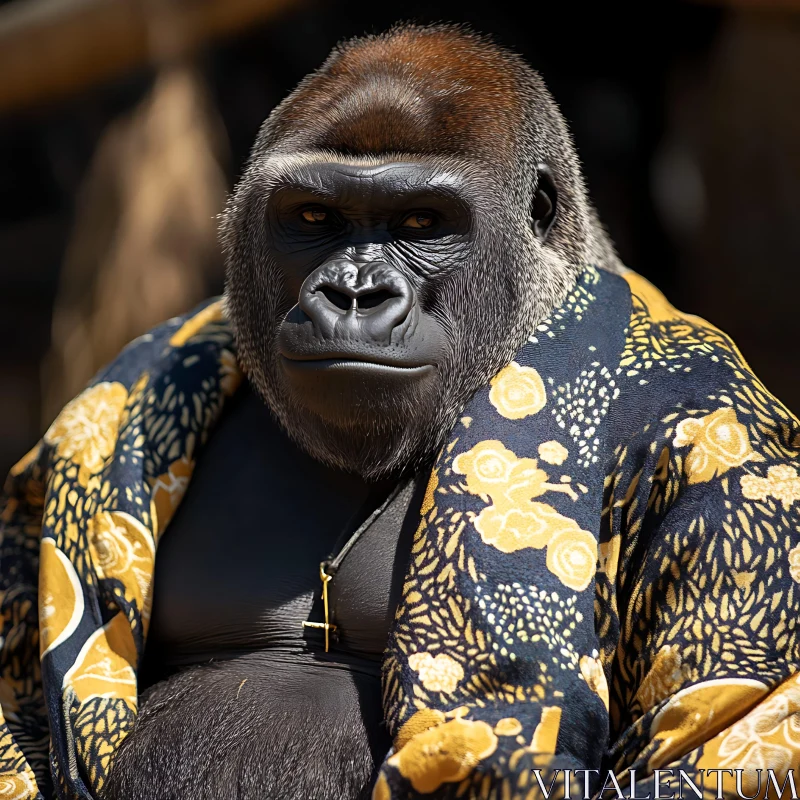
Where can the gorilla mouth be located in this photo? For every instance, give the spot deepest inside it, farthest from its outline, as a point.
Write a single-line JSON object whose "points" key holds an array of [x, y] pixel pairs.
{"points": [[347, 389], [364, 364]]}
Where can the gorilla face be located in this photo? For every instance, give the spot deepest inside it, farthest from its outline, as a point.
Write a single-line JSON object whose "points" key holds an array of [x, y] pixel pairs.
{"points": [[379, 303], [359, 346], [408, 215]]}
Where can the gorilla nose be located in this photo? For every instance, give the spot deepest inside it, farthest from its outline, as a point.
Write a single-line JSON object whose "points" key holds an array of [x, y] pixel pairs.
{"points": [[346, 300]]}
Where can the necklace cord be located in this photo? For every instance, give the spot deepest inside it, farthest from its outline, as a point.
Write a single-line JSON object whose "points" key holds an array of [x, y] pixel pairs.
{"points": [[331, 566]]}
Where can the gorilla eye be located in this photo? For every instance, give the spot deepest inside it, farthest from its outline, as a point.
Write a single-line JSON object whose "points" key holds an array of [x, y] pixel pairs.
{"points": [[315, 215], [419, 220]]}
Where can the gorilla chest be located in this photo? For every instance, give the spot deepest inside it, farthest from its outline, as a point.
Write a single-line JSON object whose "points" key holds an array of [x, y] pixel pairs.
{"points": [[238, 568]]}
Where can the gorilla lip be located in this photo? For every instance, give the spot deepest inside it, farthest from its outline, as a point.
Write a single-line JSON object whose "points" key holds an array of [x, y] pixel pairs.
{"points": [[368, 365], [342, 388]]}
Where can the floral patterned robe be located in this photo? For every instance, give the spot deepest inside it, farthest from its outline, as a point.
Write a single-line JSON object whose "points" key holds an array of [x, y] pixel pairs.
{"points": [[606, 573]]}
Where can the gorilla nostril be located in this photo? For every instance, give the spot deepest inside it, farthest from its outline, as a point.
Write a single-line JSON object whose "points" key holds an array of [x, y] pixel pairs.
{"points": [[347, 303], [338, 299], [374, 299]]}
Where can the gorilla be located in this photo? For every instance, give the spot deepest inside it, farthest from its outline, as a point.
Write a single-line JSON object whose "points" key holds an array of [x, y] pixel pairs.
{"points": [[409, 213]]}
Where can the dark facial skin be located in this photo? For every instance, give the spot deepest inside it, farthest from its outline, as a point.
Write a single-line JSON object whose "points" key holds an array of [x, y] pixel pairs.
{"points": [[357, 247]]}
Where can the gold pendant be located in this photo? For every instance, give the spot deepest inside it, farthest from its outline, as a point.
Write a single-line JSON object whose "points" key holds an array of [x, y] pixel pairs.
{"points": [[328, 626]]}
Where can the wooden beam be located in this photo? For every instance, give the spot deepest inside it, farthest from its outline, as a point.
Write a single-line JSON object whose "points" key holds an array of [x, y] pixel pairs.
{"points": [[49, 48]]}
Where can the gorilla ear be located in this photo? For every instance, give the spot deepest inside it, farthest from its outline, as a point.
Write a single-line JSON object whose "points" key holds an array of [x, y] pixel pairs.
{"points": [[544, 205]]}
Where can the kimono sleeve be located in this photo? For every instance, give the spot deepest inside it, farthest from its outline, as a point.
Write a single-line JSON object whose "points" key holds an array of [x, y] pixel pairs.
{"points": [[705, 536], [24, 732]]}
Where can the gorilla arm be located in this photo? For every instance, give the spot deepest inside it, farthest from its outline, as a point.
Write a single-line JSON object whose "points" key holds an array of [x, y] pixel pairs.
{"points": [[697, 613], [695, 598], [701, 581], [697, 591]]}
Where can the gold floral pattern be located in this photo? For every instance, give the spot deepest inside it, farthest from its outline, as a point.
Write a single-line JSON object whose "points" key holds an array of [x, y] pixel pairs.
{"points": [[782, 483], [17, 787], [85, 432], [508, 726], [595, 677], [516, 528], [572, 556], [697, 713], [106, 665], [444, 754], [768, 738], [539, 525], [794, 563], [494, 471], [517, 392], [122, 549], [441, 673], [719, 442], [487, 466], [553, 452], [514, 521]]}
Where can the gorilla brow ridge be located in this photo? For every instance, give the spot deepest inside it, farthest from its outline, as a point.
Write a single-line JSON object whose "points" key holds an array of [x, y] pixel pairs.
{"points": [[278, 169], [275, 165]]}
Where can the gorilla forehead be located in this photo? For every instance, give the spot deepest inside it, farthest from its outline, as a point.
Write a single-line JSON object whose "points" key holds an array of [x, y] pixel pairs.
{"points": [[437, 90]]}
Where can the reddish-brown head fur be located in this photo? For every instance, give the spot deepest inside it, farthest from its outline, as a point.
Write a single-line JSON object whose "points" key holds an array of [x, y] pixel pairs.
{"points": [[435, 90]]}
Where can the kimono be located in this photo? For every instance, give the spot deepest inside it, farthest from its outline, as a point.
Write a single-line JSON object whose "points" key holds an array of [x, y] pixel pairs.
{"points": [[603, 590]]}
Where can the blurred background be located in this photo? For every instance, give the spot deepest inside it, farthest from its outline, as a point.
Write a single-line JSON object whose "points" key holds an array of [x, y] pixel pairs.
{"points": [[124, 123]]}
